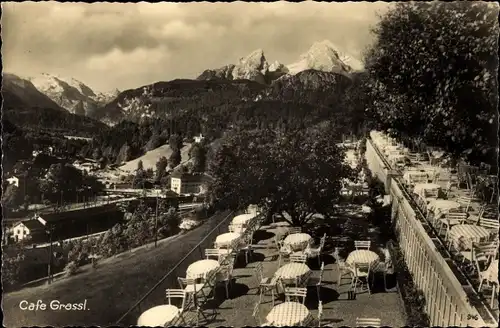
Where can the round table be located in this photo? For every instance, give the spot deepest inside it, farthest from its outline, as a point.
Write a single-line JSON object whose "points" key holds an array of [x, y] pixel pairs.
{"points": [[420, 188], [226, 239], [292, 271], [362, 256], [243, 218], [288, 314], [469, 233], [440, 206], [158, 316], [200, 268], [297, 241]]}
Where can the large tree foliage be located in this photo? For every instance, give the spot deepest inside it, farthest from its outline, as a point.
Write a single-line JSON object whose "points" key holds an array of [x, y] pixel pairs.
{"points": [[433, 69], [297, 172], [67, 183]]}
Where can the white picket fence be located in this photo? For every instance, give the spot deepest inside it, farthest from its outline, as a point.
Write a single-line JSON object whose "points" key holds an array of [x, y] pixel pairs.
{"points": [[446, 300]]}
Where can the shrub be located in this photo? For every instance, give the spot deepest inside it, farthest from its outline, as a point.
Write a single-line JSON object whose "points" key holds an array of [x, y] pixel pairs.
{"points": [[71, 268]]}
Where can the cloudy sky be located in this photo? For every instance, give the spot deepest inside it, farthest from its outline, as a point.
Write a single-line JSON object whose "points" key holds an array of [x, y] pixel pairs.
{"points": [[129, 45]]}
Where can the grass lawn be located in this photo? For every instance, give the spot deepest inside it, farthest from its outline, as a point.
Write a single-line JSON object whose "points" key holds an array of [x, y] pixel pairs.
{"points": [[111, 289]]}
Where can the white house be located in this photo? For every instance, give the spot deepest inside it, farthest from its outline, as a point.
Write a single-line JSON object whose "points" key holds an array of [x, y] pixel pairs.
{"points": [[14, 181], [26, 229], [187, 184], [199, 138]]}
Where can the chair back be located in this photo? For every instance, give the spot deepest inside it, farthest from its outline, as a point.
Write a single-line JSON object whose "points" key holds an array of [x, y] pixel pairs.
{"points": [[292, 230], [455, 218], [368, 322], [492, 224], [176, 293], [295, 293], [464, 202], [212, 253], [431, 193], [298, 258], [362, 244], [184, 282]]}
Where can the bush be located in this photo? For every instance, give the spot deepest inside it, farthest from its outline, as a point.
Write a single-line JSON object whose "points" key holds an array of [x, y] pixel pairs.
{"points": [[413, 298], [71, 268]]}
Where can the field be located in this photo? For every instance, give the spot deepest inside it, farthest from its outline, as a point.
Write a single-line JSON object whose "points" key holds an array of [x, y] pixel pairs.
{"points": [[151, 157]]}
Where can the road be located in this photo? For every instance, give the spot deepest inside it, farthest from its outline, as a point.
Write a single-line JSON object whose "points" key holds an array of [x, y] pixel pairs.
{"points": [[110, 290]]}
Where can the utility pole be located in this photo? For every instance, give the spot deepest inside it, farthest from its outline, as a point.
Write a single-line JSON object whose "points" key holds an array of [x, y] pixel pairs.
{"points": [[156, 220], [50, 228]]}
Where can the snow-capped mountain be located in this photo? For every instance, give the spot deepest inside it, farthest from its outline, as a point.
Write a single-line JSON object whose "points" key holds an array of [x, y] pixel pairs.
{"points": [[72, 94], [322, 56]]}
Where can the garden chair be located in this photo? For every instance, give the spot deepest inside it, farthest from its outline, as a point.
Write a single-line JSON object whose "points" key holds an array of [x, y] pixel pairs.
{"points": [[293, 230], [316, 252], [212, 253], [181, 295], [225, 277], [284, 251], [447, 191], [266, 284], [449, 220], [295, 293], [361, 273], [298, 258], [256, 315], [317, 281], [368, 322], [490, 224], [362, 244], [343, 269]]}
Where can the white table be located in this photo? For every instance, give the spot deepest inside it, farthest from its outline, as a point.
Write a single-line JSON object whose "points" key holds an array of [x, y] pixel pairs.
{"points": [[288, 314], [469, 233], [243, 218], [297, 241], [362, 256], [201, 268], [292, 271], [440, 206], [226, 239], [158, 316], [421, 188]]}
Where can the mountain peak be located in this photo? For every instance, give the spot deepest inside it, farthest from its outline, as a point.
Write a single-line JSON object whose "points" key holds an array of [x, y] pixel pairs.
{"points": [[321, 56]]}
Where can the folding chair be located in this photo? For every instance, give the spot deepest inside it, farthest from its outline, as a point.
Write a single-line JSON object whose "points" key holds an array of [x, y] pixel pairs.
{"points": [[294, 293], [316, 252], [266, 284], [361, 272], [343, 269], [181, 295], [212, 253], [298, 258], [362, 244], [293, 230], [465, 202], [449, 220]]}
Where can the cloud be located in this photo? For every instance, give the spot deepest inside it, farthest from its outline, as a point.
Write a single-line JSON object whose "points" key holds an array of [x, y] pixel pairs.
{"points": [[120, 45]]}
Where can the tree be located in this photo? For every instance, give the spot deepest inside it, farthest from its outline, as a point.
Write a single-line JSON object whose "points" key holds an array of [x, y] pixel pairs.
{"points": [[433, 71], [11, 266], [161, 167], [12, 198], [175, 158], [297, 172], [140, 177], [175, 142], [199, 155]]}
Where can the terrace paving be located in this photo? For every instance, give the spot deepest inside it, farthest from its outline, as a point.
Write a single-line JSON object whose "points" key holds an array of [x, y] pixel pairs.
{"points": [[338, 310]]}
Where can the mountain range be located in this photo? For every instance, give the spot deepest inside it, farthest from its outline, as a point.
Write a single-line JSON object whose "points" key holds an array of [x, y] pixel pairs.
{"points": [[318, 77]]}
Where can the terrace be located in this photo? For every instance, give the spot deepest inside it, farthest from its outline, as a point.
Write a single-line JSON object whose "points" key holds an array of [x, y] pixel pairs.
{"points": [[340, 306], [456, 208]]}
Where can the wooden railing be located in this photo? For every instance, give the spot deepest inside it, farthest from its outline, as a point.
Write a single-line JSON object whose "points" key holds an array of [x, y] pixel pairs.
{"points": [[446, 297]]}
